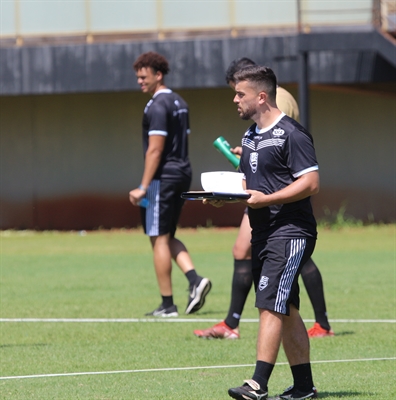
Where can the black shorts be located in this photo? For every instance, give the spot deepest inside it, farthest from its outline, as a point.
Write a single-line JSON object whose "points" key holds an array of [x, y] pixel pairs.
{"points": [[276, 266], [162, 214]]}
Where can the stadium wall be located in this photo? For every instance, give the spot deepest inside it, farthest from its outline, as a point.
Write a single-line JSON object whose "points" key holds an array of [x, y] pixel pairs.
{"points": [[69, 160]]}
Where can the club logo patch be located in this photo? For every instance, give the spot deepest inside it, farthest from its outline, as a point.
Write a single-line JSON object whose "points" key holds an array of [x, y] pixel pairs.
{"points": [[278, 132], [253, 161], [263, 283]]}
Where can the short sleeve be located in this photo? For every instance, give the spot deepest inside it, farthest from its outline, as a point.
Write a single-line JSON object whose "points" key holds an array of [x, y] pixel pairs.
{"points": [[157, 118], [300, 154]]}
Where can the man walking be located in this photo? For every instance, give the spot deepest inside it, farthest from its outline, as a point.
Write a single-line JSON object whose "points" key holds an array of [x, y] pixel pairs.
{"points": [[167, 173], [281, 173], [242, 277]]}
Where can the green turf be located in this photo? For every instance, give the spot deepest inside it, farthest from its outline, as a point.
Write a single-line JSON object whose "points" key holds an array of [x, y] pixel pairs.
{"points": [[109, 275]]}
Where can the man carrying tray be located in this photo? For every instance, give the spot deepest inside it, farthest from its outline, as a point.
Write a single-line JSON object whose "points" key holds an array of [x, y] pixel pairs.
{"points": [[281, 173]]}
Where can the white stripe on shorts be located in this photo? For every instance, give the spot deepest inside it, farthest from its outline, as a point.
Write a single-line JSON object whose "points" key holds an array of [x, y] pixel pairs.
{"points": [[152, 211], [297, 247]]}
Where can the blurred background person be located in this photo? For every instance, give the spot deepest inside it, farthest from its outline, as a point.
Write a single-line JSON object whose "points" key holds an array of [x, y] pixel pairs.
{"points": [[167, 173]]}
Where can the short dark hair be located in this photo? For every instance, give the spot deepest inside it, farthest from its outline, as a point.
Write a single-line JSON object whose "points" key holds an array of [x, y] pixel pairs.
{"points": [[153, 60], [237, 65], [262, 77]]}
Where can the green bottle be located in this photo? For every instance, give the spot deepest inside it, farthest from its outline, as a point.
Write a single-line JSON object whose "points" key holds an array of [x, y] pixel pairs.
{"points": [[224, 148]]}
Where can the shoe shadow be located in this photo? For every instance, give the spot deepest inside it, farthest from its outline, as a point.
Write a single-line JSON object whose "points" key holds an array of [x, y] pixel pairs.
{"points": [[344, 333], [212, 312]]}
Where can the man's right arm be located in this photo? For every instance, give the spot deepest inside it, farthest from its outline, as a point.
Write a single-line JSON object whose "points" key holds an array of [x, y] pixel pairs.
{"points": [[151, 162]]}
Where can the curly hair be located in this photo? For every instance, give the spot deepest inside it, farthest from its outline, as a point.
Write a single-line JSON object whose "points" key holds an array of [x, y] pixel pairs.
{"points": [[153, 60]]}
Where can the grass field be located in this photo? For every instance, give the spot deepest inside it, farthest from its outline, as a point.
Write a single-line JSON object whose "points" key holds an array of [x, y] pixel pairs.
{"points": [[73, 326]]}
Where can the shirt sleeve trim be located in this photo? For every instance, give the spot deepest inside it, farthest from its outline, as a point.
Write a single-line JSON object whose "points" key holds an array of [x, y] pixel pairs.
{"points": [[159, 133], [305, 171]]}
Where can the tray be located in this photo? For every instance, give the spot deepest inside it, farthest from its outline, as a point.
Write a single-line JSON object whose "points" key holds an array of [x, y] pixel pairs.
{"points": [[200, 195]]}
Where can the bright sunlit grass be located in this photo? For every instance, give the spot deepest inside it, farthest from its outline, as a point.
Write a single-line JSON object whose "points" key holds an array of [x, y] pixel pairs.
{"points": [[108, 275]]}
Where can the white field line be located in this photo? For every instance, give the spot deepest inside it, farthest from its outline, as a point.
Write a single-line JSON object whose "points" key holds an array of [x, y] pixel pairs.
{"points": [[180, 320], [131, 371]]}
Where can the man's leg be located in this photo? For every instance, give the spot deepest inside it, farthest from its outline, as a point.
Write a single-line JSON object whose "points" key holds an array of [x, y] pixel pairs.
{"points": [[268, 343], [268, 261], [242, 247], [180, 255], [163, 270], [162, 263], [241, 284], [199, 286], [294, 338], [242, 277], [269, 336], [296, 345], [313, 283]]}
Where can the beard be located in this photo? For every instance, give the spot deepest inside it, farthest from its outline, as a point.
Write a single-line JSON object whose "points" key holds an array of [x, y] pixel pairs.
{"points": [[247, 114]]}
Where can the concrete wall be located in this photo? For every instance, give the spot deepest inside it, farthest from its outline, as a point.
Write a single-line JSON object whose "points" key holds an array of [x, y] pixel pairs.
{"points": [[68, 161], [355, 134]]}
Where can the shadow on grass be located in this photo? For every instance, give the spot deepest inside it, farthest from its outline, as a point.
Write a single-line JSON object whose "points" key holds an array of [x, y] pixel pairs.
{"points": [[345, 395], [212, 312], [5, 346], [344, 333]]}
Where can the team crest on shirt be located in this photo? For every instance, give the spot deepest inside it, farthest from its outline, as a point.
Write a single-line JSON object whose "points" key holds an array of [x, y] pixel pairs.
{"points": [[278, 132], [253, 161], [263, 282]]}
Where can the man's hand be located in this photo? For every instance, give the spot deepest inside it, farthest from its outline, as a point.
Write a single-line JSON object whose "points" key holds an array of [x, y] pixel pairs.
{"points": [[257, 199], [214, 203], [237, 150], [136, 195]]}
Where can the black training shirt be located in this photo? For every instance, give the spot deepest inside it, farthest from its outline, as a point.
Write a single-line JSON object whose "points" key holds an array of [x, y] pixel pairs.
{"points": [[273, 158], [166, 114]]}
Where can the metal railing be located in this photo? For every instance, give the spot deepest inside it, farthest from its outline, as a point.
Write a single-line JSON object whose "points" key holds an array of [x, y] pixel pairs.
{"points": [[23, 20]]}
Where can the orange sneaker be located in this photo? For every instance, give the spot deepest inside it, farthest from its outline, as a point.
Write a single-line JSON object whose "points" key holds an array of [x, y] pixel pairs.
{"points": [[218, 331], [318, 331]]}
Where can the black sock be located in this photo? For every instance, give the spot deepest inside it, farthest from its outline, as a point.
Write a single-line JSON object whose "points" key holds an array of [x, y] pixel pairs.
{"points": [[262, 373], [312, 279], [191, 276], [241, 283], [302, 376], [167, 301]]}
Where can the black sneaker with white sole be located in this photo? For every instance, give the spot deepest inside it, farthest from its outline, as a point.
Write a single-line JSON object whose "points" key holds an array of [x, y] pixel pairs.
{"points": [[197, 295], [249, 390], [161, 311], [290, 393]]}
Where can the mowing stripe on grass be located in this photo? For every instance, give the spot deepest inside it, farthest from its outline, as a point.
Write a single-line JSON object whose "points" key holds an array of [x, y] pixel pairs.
{"points": [[134, 320], [181, 369]]}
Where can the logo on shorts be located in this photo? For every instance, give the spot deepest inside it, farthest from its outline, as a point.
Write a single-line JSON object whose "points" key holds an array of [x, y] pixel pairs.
{"points": [[263, 282], [253, 161]]}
